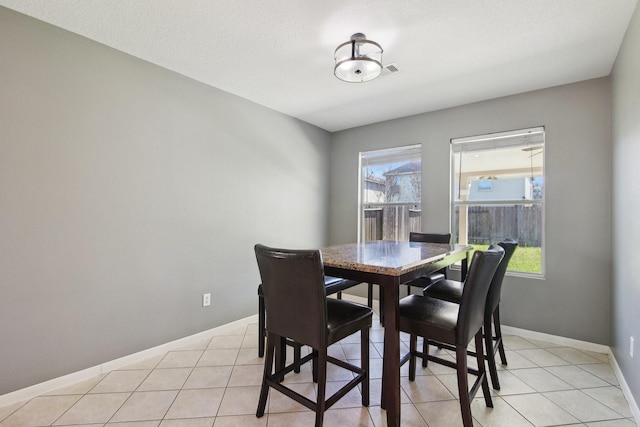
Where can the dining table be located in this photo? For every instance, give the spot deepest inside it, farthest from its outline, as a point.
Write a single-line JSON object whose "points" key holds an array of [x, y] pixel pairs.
{"points": [[389, 264]]}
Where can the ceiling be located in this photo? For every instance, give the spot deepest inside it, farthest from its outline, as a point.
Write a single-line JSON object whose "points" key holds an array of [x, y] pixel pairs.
{"points": [[279, 53]]}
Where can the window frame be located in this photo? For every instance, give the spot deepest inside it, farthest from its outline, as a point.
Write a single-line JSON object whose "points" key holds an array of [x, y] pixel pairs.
{"points": [[456, 146], [413, 151]]}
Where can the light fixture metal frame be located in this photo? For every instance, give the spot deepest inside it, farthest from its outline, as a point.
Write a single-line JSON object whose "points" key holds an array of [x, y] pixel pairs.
{"points": [[355, 39]]}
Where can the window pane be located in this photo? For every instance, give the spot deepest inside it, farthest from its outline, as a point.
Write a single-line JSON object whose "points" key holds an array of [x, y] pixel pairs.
{"points": [[393, 181], [498, 193], [391, 193], [490, 224], [499, 174]]}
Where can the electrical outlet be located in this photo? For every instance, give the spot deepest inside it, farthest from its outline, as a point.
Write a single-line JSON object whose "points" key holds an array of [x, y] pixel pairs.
{"points": [[631, 340], [206, 300]]}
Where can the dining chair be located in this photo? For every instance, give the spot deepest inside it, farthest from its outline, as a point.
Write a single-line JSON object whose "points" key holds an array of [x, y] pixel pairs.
{"points": [[443, 238], [451, 290], [421, 282], [332, 285], [456, 325], [297, 308]]}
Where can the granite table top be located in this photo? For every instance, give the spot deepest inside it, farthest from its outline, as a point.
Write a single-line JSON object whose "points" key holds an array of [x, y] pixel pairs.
{"points": [[386, 256]]}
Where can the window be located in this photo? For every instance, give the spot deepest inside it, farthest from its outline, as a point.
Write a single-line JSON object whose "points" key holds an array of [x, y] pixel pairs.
{"points": [[390, 193], [498, 192]]}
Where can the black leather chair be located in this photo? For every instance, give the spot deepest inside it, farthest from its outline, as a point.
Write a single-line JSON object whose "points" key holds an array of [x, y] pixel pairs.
{"points": [[332, 285], [444, 238], [420, 282], [424, 281], [298, 309], [451, 290], [444, 322]]}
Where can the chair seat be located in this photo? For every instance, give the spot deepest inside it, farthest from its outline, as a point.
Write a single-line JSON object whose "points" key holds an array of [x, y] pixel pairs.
{"points": [[447, 289], [345, 318], [333, 285], [429, 317], [425, 281]]}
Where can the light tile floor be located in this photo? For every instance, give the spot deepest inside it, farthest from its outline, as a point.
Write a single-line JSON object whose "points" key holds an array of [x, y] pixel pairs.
{"points": [[216, 383]]}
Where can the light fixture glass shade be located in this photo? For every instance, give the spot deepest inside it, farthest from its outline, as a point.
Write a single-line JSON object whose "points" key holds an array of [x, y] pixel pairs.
{"points": [[358, 60]]}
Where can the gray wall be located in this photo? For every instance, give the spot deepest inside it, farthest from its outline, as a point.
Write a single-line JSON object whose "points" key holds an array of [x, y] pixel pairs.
{"points": [[626, 206], [126, 192], [574, 298]]}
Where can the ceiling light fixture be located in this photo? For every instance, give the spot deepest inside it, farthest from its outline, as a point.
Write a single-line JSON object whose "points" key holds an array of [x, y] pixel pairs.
{"points": [[358, 60]]}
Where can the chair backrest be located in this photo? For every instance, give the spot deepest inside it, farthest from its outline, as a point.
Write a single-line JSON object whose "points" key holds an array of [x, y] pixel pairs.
{"points": [[294, 295], [474, 293], [430, 237], [493, 297]]}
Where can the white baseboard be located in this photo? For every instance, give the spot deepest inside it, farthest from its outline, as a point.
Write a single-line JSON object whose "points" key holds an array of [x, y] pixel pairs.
{"points": [[582, 345], [85, 374], [79, 376], [570, 342], [625, 388]]}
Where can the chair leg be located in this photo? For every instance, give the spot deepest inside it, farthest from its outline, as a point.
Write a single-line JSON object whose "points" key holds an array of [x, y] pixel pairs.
{"points": [[261, 326], [381, 305], [425, 350], [496, 326], [281, 354], [463, 386], [314, 365], [482, 373], [413, 346], [490, 353], [322, 386], [297, 355], [364, 357], [268, 364], [370, 295]]}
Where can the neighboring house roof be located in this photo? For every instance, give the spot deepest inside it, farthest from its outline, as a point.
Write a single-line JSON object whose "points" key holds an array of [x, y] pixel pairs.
{"points": [[406, 168]]}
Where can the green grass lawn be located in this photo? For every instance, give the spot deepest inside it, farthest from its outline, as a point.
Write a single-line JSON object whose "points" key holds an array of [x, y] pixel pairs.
{"points": [[526, 260]]}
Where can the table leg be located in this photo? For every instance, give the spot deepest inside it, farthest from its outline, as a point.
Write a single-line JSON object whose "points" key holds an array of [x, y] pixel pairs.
{"points": [[391, 358], [465, 266]]}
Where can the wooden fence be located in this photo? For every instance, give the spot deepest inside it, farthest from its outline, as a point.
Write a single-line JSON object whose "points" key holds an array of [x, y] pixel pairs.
{"points": [[489, 224], [486, 224], [391, 223]]}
